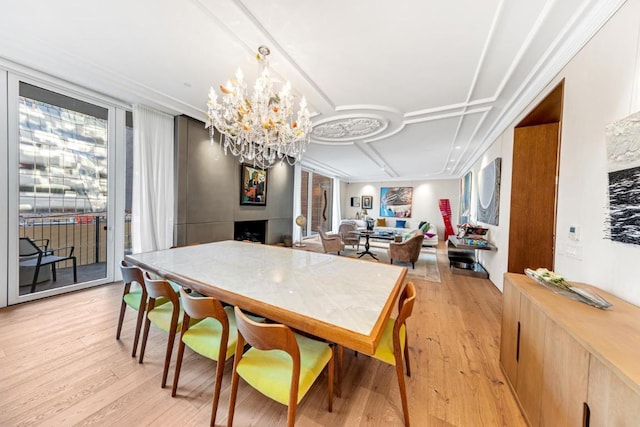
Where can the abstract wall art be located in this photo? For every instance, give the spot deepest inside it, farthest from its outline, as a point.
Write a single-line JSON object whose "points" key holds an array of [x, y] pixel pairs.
{"points": [[623, 168], [489, 193], [396, 201]]}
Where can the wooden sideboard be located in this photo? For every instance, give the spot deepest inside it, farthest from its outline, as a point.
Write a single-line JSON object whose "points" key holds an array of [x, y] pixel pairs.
{"points": [[569, 363]]}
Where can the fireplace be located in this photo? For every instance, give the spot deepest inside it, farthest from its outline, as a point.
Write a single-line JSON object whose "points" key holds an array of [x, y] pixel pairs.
{"points": [[253, 231]]}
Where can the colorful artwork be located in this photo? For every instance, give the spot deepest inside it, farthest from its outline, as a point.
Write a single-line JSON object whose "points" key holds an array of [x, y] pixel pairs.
{"points": [[396, 201], [465, 198], [489, 193], [253, 185], [623, 166]]}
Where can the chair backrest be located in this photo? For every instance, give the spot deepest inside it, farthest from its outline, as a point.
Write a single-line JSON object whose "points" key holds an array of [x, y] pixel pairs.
{"points": [[405, 306], [268, 336], [131, 274], [160, 288], [322, 233], [345, 228], [203, 307], [28, 247], [415, 242]]}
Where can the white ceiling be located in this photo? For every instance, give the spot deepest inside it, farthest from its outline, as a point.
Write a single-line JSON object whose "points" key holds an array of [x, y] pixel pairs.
{"points": [[403, 90]]}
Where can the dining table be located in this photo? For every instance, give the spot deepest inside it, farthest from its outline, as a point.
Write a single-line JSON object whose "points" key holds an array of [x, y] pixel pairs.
{"points": [[341, 300]]}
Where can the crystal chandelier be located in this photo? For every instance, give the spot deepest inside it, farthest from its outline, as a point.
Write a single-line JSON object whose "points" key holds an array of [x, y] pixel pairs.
{"points": [[263, 128]]}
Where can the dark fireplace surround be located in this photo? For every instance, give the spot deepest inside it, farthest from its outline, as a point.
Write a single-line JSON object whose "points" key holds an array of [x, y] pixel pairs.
{"points": [[253, 231]]}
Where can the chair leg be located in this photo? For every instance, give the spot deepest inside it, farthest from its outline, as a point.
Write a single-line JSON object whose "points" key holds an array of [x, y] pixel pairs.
{"points": [[145, 335], [403, 391], [176, 376], [216, 390], [136, 337], [167, 356], [397, 353], [123, 307], [234, 381], [331, 368], [413, 265], [35, 278], [339, 382], [293, 404], [291, 413], [75, 271]]}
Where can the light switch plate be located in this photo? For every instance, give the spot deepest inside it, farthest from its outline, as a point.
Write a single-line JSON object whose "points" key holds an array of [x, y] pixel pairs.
{"points": [[574, 233]]}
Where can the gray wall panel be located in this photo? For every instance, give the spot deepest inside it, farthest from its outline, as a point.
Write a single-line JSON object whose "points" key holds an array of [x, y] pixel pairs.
{"points": [[208, 190]]}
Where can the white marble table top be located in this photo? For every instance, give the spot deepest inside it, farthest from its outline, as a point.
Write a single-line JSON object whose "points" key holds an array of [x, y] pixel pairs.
{"points": [[340, 299]]}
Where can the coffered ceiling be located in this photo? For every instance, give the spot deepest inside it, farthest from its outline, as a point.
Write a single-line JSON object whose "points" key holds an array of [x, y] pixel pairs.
{"points": [[404, 90]]}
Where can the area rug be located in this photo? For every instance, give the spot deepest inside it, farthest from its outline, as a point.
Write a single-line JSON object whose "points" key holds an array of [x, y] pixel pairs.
{"points": [[426, 266]]}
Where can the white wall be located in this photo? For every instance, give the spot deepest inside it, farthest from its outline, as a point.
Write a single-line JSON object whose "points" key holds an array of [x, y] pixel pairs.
{"points": [[425, 200], [602, 85]]}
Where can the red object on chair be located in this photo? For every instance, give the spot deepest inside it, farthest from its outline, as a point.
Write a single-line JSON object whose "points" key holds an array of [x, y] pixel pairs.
{"points": [[445, 210]]}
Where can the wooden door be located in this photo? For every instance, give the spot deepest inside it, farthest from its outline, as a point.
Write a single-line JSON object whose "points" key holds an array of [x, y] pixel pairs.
{"points": [[533, 197]]}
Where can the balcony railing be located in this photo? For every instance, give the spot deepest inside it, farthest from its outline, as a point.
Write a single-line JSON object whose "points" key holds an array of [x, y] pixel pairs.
{"points": [[86, 232]]}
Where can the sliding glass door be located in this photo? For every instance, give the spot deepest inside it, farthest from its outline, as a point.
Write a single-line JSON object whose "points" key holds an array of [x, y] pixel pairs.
{"points": [[61, 151]]}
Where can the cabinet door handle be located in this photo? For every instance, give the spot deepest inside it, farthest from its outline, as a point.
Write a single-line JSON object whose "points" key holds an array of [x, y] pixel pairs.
{"points": [[518, 344], [586, 414]]}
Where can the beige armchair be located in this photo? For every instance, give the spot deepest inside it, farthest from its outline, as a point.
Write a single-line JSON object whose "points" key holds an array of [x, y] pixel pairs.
{"points": [[330, 242], [349, 238], [407, 251]]}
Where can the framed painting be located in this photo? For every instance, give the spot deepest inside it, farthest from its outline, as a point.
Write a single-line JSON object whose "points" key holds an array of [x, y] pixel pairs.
{"points": [[489, 193], [396, 201], [623, 169], [355, 202], [253, 185], [367, 202]]}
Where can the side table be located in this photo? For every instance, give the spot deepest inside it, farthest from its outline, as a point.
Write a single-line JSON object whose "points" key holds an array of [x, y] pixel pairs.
{"points": [[463, 257]]}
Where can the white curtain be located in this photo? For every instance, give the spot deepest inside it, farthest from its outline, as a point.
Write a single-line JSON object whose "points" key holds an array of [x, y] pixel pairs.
{"points": [[335, 212], [152, 205], [297, 201]]}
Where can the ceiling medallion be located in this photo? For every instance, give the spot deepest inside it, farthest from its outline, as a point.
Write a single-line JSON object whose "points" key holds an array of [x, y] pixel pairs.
{"points": [[347, 128]]}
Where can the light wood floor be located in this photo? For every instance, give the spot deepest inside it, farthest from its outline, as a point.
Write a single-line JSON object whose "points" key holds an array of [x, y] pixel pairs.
{"points": [[60, 365]]}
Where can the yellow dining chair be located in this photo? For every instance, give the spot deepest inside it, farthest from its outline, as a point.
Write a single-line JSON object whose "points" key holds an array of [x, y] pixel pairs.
{"points": [[394, 343], [280, 364], [135, 298], [166, 317], [214, 337]]}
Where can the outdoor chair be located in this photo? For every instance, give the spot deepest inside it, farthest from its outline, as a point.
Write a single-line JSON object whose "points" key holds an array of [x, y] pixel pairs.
{"points": [[32, 255]]}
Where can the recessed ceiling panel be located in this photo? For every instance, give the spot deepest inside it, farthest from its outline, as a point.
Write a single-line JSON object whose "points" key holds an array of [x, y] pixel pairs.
{"points": [[420, 149], [515, 22], [361, 52]]}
